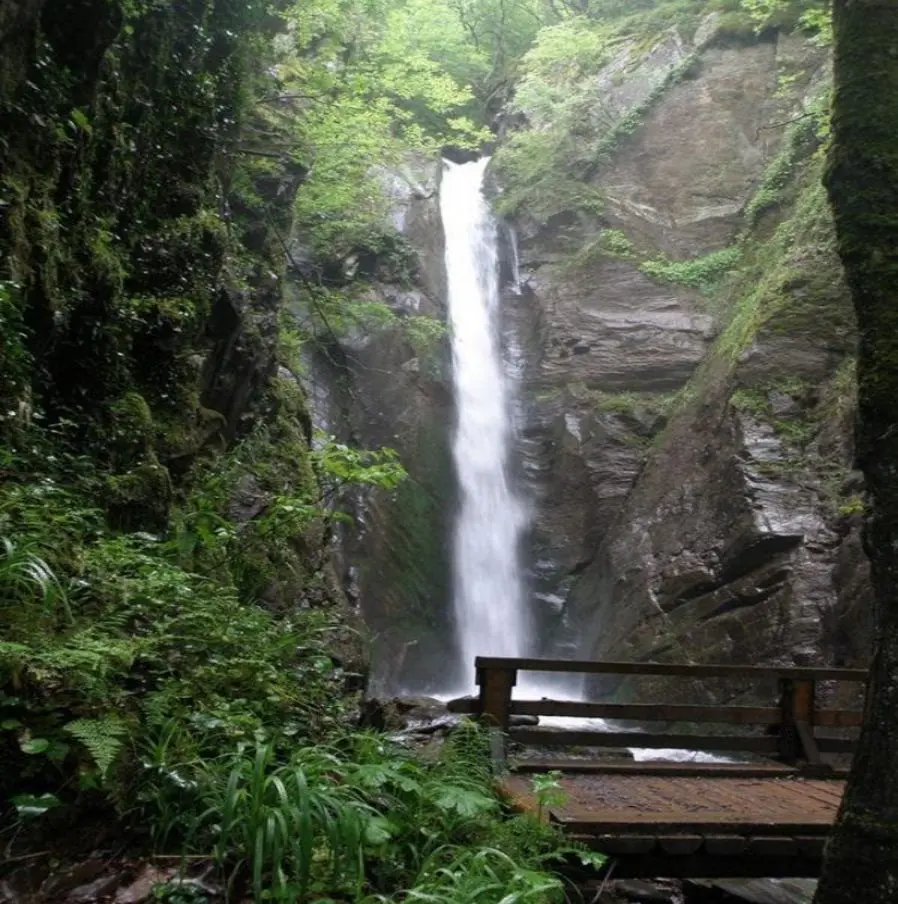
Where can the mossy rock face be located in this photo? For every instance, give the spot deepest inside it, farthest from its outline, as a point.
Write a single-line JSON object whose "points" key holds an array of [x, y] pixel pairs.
{"points": [[290, 406], [140, 498], [406, 564], [114, 235], [132, 428], [139, 340]]}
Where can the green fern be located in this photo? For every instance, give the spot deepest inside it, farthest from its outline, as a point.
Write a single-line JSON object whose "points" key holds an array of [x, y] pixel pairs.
{"points": [[103, 739]]}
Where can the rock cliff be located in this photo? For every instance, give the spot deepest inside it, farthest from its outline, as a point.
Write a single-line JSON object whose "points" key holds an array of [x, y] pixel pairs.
{"points": [[387, 385], [687, 392], [682, 343]]}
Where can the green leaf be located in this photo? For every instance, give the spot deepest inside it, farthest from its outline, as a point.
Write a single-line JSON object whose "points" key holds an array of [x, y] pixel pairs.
{"points": [[79, 118], [10, 724], [103, 738], [379, 830], [464, 801], [591, 858], [34, 745], [29, 805]]}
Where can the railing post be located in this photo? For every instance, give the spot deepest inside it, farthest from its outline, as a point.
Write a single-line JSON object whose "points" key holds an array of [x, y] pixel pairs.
{"points": [[495, 694], [495, 708], [796, 725]]}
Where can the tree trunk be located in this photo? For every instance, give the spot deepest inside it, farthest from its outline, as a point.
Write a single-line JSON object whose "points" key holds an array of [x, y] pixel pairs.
{"points": [[861, 861]]}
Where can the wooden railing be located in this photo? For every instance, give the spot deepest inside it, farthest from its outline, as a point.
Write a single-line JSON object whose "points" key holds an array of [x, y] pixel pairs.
{"points": [[789, 728]]}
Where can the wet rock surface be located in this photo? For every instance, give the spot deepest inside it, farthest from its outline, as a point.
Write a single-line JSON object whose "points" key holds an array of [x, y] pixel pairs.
{"points": [[696, 532], [105, 878], [376, 387], [751, 891], [409, 718], [645, 892]]}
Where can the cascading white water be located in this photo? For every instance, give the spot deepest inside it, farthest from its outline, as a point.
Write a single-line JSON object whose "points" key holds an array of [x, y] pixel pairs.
{"points": [[515, 259], [490, 611], [490, 614]]}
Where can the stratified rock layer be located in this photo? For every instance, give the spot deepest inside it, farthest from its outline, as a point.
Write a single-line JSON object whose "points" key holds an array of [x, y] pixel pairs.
{"points": [[690, 455]]}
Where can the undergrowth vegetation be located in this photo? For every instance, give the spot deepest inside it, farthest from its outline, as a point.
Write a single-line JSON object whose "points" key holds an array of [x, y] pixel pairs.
{"points": [[109, 637], [166, 513], [364, 821]]}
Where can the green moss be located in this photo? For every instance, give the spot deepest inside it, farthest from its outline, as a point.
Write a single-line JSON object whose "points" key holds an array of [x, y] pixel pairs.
{"points": [[131, 431], [608, 244], [852, 507], [413, 562], [15, 374], [800, 427], [634, 404], [140, 498], [107, 261], [755, 402], [792, 283], [735, 25], [798, 432], [839, 400], [801, 139]]}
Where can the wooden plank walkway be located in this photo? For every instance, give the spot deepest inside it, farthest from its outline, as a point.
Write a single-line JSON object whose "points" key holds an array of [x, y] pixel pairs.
{"points": [[755, 818], [699, 826]]}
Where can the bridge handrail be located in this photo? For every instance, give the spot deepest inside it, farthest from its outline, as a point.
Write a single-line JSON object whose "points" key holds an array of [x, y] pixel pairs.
{"points": [[790, 726], [590, 667]]}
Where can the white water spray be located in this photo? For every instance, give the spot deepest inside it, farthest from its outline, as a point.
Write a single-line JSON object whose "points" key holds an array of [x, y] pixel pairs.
{"points": [[515, 260], [490, 610], [490, 613]]}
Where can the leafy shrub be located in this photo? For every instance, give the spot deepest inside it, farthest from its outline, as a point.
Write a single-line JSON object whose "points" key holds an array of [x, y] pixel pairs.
{"points": [[541, 165], [700, 273], [813, 16], [361, 820]]}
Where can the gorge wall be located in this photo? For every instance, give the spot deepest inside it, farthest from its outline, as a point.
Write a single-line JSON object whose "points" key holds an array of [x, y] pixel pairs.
{"points": [[156, 445], [687, 427], [388, 385], [685, 347]]}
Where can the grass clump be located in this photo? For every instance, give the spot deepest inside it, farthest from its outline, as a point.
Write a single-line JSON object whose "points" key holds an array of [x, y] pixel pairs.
{"points": [[359, 820]]}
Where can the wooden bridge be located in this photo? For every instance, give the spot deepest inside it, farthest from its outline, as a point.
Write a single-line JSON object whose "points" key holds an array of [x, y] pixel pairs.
{"points": [[763, 807]]}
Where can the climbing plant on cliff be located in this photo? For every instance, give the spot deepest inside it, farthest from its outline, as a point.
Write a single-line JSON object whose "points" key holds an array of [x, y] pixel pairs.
{"points": [[811, 15], [861, 860]]}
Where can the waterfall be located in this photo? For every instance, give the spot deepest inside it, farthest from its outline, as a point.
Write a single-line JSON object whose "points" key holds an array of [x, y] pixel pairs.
{"points": [[490, 613], [515, 260]]}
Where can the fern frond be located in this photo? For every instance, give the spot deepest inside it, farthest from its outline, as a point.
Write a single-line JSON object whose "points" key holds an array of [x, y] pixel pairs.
{"points": [[103, 738]]}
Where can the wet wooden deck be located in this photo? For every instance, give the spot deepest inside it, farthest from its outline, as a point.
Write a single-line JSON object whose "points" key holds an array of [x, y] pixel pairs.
{"points": [[767, 814], [714, 822]]}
